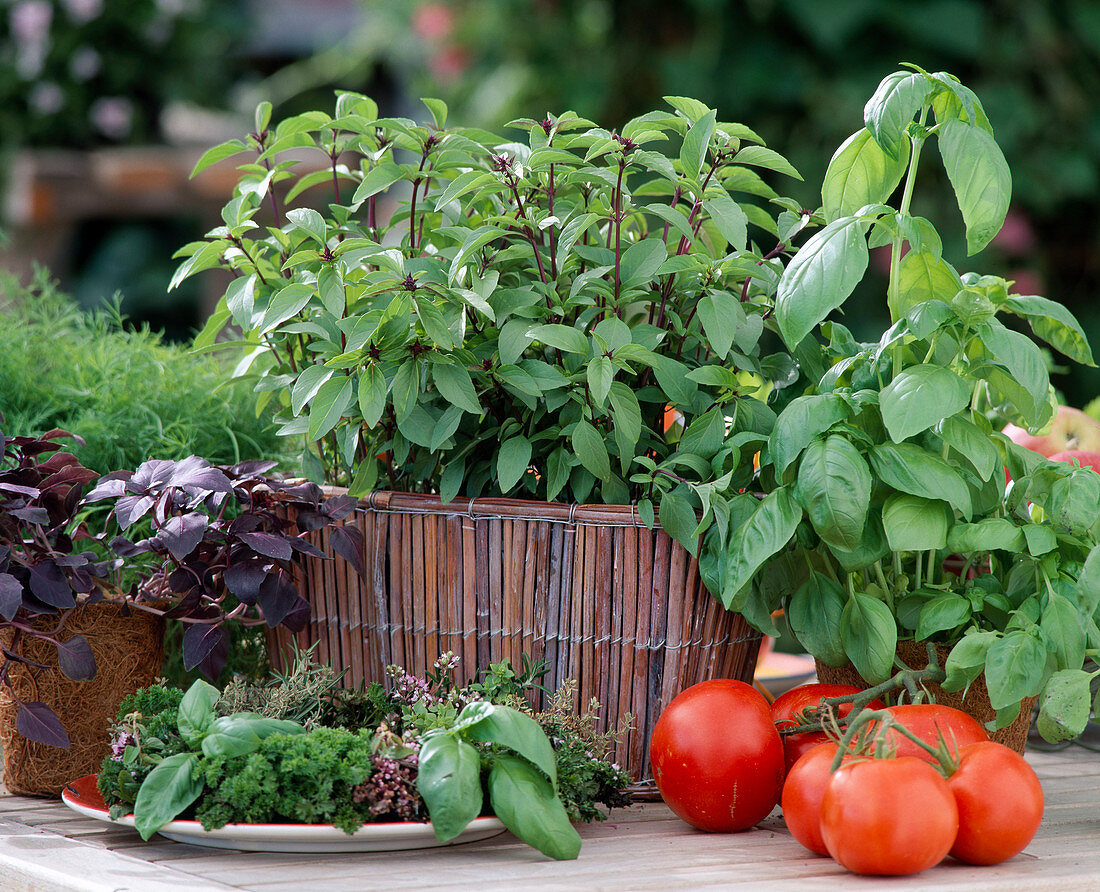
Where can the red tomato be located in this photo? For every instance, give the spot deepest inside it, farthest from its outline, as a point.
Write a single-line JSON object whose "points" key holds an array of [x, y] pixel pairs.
{"points": [[717, 758], [923, 719], [808, 696], [803, 791], [1000, 803], [888, 816]]}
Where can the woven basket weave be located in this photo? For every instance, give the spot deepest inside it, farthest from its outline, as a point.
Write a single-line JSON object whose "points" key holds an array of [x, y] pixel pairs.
{"points": [[128, 652], [603, 600], [976, 702]]}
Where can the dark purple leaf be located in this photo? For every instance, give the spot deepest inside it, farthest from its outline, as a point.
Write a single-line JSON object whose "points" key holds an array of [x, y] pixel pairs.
{"points": [[181, 534], [251, 468], [182, 580], [278, 595], [51, 586], [304, 547], [5, 550], [268, 545], [151, 474], [298, 616], [245, 523], [214, 662], [36, 721], [129, 509], [110, 487], [11, 596], [20, 490], [348, 542], [196, 473], [32, 515], [72, 560], [199, 641], [75, 658], [244, 579], [339, 507], [70, 475], [187, 605], [124, 548], [303, 492], [308, 521]]}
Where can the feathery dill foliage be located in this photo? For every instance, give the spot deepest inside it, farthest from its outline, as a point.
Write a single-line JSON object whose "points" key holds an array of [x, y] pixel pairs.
{"points": [[130, 395]]}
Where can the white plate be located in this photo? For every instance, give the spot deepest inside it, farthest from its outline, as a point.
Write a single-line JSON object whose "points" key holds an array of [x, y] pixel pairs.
{"points": [[83, 797]]}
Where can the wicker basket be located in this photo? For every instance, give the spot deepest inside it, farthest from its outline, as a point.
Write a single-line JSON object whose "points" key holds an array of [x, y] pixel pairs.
{"points": [[128, 652], [976, 702], [603, 600]]}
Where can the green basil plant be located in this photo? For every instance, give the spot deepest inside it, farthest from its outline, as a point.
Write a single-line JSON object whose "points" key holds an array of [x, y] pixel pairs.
{"points": [[576, 315], [886, 514]]}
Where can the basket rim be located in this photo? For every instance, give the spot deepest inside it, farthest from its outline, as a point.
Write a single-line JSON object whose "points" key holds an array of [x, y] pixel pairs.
{"points": [[492, 507]]}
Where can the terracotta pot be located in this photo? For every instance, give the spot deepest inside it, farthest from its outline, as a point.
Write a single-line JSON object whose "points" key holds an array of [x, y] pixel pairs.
{"points": [[976, 702], [128, 652]]}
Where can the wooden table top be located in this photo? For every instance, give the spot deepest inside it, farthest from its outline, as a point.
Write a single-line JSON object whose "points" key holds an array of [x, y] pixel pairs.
{"points": [[44, 846]]}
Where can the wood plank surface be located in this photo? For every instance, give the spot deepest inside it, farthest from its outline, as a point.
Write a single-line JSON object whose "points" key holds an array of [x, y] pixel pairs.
{"points": [[46, 847]]}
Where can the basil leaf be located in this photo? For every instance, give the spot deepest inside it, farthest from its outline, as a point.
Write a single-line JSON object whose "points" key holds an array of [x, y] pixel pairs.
{"points": [[861, 173], [888, 112], [919, 397], [525, 802], [196, 710], [834, 487], [449, 780], [870, 636], [169, 789], [1015, 668], [815, 613], [980, 177], [908, 468], [804, 419], [520, 733], [1064, 707], [767, 530], [913, 523]]}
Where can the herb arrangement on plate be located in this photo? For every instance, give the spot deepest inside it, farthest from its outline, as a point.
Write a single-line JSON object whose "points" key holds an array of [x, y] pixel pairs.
{"points": [[424, 752]]}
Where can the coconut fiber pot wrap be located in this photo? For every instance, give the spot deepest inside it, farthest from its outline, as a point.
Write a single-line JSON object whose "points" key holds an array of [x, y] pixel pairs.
{"points": [[976, 702], [604, 601], [128, 652]]}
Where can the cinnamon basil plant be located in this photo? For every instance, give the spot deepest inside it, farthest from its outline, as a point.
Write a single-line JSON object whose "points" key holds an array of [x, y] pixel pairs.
{"points": [[886, 514], [563, 313]]}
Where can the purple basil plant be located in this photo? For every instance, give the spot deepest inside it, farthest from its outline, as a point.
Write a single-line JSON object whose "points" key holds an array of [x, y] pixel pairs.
{"points": [[43, 574], [226, 544]]}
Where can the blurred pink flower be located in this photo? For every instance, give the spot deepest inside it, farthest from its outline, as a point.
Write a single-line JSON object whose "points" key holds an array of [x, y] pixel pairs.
{"points": [[30, 26], [82, 11], [85, 63], [1017, 236], [432, 21], [46, 98], [449, 63], [112, 116], [1028, 281]]}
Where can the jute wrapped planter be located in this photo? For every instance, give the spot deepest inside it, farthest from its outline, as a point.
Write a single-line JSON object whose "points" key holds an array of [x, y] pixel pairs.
{"points": [[128, 652], [589, 589], [975, 703]]}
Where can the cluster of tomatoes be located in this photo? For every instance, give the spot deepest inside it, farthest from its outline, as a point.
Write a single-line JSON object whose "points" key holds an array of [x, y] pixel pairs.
{"points": [[721, 765]]}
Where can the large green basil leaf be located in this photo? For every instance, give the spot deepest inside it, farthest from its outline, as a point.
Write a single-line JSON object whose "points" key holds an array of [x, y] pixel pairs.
{"points": [[1074, 501], [870, 636], [169, 789], [767, 531], [512, 460], [525, 802], [967, 659], [1064, 707], [1054, 324], [908, 468], [820, 277], [861, 173], [455, 386], [923, 276], [973, 444], [522, 734], [241, 734], [888, 112], [1020, 355], [814, 613], [1063, 632], [589, 447], [980, 177], [721, 316], [834, 487], [804, 419], [1015, 668], [913, 523], [372, 395], [988, 534], [331, 403], [196, 711], [919, 397], [872, 547], [942, 614], [449, 780]]}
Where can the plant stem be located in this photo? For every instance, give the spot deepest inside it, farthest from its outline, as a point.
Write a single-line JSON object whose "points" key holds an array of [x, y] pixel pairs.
{"points": [[618, 222]]}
